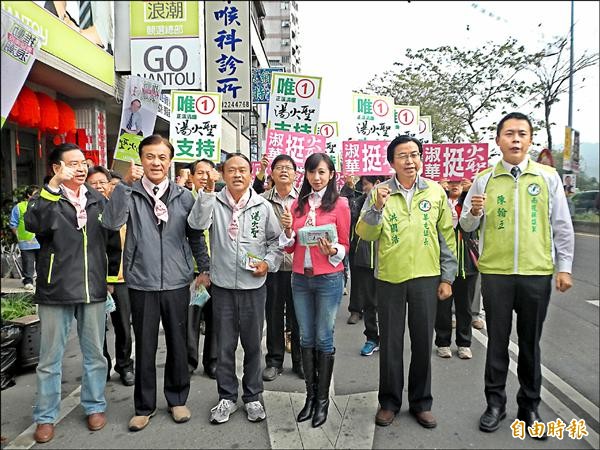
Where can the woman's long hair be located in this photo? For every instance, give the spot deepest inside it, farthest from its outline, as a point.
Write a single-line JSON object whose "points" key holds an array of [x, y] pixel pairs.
{"points": [[331, 193]]}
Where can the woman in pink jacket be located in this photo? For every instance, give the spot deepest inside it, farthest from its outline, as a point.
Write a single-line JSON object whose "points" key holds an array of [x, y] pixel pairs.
{"points": [[317, 277]]}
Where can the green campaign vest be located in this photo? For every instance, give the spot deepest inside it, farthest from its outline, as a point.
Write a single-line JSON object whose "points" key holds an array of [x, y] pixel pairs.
{"points": [[517, 225], [22, 233]]}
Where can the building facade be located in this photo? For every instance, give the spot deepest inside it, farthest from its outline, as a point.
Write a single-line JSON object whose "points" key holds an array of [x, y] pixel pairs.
{"points": [[282, 35]]}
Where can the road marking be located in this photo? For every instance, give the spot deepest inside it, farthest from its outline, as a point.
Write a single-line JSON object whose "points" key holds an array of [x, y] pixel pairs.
{"points": [[593, 302], [588, 235], [549, 398], [345, 427]]}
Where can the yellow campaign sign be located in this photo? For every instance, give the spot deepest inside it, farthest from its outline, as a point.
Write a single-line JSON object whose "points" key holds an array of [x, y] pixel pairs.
{"points": [[127, 147], [568, 144]]}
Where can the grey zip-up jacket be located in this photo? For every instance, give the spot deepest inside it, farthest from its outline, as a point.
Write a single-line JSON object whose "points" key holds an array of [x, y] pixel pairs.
{"points": [[258, 235], [156, 257]]}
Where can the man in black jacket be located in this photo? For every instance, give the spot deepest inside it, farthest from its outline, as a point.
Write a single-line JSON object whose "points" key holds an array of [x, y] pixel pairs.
{"points": [[65, 216], [362, 265]]}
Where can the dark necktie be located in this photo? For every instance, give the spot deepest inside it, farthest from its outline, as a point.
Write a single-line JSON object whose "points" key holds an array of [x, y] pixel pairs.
{"points": [[130, 122], [155, 190], [515, 172]]}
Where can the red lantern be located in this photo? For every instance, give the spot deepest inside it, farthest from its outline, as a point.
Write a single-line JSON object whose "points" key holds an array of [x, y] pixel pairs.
{"points": [[13, 115], [66, 118], [26, 110], [49, 113]]}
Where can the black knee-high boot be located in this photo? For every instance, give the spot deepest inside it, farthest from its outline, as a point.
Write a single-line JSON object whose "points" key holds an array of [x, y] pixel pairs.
{"points": [[309, 363], [325, 372]]}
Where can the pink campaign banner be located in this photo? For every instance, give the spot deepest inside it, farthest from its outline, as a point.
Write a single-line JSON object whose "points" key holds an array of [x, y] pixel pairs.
{"points": [[365, 158], [298, 145], [454, 162]]}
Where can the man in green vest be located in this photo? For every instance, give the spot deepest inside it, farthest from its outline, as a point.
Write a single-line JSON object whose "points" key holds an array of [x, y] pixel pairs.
{"points": [[526, 233], [411, 221], [27, 242]]}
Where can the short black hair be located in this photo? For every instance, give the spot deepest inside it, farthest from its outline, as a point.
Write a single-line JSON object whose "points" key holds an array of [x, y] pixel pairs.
{"points": [[283, 158], [115, 174], [371, 178], [192, 166], [31, 189], [402, 139], [233, 155], [517, 116], [155, 139], [56, 155], [98, 169]]}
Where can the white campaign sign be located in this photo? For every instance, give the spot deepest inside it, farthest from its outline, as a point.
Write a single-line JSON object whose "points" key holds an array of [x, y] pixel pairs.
{"points": [[173, 62], [406, 119], [425, 132], [19, 47]]}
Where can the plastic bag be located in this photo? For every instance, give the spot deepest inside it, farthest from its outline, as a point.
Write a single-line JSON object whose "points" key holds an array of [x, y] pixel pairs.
{"points": [[109, 306], [198, 295], [11, 335]]}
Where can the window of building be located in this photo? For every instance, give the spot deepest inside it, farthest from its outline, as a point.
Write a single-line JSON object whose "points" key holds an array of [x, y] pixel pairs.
{"points": [[285, 23], [285, 42], [285, 5], [285, 59]]}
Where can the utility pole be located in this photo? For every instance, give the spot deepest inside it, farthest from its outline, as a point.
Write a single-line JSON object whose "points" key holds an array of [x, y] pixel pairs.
{"points": [[570, 122]]}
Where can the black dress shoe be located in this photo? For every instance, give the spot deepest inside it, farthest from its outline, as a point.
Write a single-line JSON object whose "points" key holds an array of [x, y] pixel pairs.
{"points": [[490, 419], [128, 378], [270, 373], [529, 417]]}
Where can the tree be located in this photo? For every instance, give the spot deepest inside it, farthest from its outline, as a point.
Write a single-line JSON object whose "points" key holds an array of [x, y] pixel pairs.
{"points": [[552, 70], [458, 87]]}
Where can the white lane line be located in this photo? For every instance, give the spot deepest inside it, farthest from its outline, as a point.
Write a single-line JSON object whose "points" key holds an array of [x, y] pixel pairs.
{"points": [[25, 439], [593, 302], [73, 400], [550, 399]]}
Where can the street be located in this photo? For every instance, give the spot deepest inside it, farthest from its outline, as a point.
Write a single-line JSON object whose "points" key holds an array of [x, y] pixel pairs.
{"points": [[570, 367]]}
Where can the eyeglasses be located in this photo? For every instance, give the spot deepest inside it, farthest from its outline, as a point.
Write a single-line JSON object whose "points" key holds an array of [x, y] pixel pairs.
{"points": [[284, 168], [76, 165], [404, 156]]}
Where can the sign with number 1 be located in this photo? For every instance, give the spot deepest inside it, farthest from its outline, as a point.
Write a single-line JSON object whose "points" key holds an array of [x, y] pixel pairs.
{"points": [[373, 117]]}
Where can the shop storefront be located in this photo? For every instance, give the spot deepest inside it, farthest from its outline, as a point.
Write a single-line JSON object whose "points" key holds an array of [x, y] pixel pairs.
{"points": [[73, 82]]}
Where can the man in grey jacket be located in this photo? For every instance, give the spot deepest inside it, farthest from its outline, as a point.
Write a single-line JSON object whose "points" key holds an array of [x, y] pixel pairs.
{"points": [[244, 233], [158, 270]]}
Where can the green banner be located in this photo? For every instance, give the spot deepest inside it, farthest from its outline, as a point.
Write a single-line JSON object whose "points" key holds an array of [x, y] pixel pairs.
{"points": [[156, 19], [64, 42]]}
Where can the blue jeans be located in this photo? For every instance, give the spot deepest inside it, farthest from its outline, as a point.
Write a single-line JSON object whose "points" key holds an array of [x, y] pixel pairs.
{"points": [[56, 324], [316, 301]]}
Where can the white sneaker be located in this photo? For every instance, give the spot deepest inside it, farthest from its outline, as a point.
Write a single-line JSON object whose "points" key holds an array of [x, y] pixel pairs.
{"points": [[221, 412], [444, 352], [255, 411], [464, 353], [29, 287]]}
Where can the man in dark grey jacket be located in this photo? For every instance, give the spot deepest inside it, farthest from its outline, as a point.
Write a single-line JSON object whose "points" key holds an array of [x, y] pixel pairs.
{"points": [[158, 269]]}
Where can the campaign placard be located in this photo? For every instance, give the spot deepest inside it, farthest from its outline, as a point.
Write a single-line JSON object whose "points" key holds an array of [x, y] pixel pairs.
{"points": [[195, 130]]}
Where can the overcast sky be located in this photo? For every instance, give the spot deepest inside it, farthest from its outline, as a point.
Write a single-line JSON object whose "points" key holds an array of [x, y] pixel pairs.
{"points": [[347, 43]]}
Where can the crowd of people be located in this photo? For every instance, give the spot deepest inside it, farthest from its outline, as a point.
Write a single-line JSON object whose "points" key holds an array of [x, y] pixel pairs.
{"points": [[412, 248]]}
